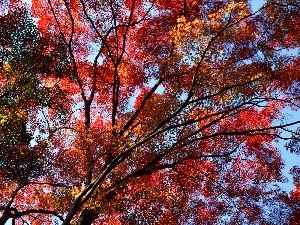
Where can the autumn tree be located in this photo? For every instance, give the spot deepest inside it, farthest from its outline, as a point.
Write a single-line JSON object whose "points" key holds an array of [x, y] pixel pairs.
{"points": [[145, 112]]}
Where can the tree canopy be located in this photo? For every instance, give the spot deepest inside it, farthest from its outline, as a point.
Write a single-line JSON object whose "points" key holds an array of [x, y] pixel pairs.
{"points": [[147, 112]]}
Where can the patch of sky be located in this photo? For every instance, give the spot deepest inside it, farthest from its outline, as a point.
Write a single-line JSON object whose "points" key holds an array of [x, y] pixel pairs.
{"points": [[41, 118], [76, 110], [256, 4], [94, 51], [150, 83], [289, 159], [148, 7]]}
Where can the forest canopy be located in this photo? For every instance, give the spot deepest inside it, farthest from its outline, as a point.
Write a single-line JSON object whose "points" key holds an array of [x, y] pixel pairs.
{"points": [[148, 112]]}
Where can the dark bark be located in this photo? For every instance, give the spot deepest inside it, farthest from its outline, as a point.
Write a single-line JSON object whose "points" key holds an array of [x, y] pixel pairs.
{"points": [[5, 217], [87, 216]]}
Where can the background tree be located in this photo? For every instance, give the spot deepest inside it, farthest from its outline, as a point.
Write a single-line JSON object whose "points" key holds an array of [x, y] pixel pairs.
{"points": [[22, 95], [146, 112]]}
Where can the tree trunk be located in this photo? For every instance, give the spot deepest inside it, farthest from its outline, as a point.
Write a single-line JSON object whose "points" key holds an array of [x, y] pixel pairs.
{"points": [[87, 216], [5, 217]]}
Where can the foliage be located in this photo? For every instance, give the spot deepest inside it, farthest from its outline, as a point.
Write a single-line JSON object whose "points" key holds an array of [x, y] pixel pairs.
{"points": [[144, 112]]}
